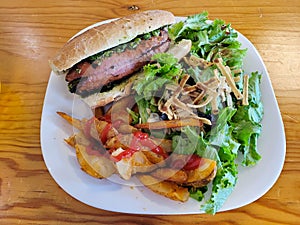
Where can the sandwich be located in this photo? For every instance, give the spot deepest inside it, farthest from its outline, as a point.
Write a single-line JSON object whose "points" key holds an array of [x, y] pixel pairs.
{"points": [[182, 126], [101, 63]]}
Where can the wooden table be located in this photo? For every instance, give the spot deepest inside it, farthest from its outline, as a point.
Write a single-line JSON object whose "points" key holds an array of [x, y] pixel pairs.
{"points": [[31, 31]]}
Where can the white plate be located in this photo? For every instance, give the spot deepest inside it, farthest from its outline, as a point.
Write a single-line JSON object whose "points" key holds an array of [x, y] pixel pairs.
{"points": [[129, 197]]}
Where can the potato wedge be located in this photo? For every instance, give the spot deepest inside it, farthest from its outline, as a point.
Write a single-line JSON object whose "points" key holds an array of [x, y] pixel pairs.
{"points": [[203, 175], [177, 176], [71, 120], [138, 163], [71, 140], [168, 189], [94, 165], [154, 158]]}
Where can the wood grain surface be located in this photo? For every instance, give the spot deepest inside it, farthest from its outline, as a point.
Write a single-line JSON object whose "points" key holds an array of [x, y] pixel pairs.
{"points": [[30, 33]]}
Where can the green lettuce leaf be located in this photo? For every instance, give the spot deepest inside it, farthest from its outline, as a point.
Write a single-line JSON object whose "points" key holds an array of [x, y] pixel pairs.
{"points": [[166, 70], [194, 22], [210, 40], [247, 134], [143, 105], [256, 110], [221, 138], [191, 141], [223, 185], [198, 193], [246, 123]]}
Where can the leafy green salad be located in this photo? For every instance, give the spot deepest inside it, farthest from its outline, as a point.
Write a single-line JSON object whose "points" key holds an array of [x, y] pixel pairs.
{"points": [[232, 104]]}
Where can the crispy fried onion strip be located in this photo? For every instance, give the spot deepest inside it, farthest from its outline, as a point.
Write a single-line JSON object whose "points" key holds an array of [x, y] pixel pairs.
{"points": [[174, 103], [204, 93], [184, 99], [173, 123], [225, 71]]}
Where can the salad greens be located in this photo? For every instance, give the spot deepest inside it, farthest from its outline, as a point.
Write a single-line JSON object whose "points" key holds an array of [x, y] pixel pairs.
{"points": [[235, 129], [210, 40], [157, 75]]}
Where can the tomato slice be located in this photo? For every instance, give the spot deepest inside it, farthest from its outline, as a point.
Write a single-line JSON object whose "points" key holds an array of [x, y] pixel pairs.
{"points": [[193, 162]]}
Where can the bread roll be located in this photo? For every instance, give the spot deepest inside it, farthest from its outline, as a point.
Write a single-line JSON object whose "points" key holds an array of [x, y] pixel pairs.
{"points": [[108, 35]]}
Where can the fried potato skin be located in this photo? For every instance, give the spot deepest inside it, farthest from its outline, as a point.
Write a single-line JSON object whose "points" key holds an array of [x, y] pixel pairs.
{"points": [[150, 168], [203, 175], [177, 176], [168, 189], [138, 163], [94, 165]]}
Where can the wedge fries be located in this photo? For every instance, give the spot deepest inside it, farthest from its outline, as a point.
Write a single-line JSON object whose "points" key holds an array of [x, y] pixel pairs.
{"points": [[103, 149], [96, 165], [169, 174], [168, 189]]}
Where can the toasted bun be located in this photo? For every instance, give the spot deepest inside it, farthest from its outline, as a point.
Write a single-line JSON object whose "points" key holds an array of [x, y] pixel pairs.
{"points": [[108, 35]]}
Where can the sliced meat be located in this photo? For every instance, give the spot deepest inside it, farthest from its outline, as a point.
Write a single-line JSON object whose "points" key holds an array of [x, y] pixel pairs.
{"points": [[78, 70], [118, 65]]}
